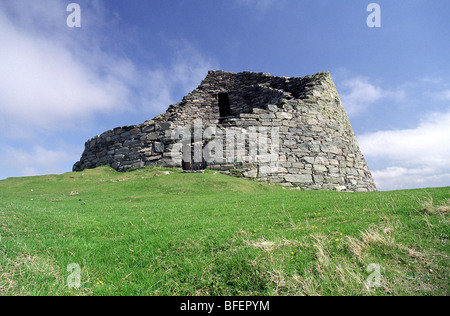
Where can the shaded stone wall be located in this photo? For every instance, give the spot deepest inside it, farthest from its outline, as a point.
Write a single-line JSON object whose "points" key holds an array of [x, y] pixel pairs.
{"points": [[306, 137]]}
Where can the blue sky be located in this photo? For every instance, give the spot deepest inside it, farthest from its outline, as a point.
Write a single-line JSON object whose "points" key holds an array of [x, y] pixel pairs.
{"points": [[129, 60]]}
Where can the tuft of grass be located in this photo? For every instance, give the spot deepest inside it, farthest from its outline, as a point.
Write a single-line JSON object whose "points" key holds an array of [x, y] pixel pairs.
{"points": [[428, 206]]}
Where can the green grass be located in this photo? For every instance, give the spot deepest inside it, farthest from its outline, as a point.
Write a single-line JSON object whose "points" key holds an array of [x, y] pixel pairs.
{"points": [[150, 233]]}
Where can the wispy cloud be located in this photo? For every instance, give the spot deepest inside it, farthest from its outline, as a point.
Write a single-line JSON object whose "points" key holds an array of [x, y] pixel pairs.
{"points": [[412, 157], [359, 94], [56, 80], [411, 119], [162, 83], [49, 82], [36, 160], [396, 178]]}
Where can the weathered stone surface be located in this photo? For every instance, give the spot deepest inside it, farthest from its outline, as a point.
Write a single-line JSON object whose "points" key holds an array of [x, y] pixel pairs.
{"points": [[309, 160], [284, 115], [251, 173], [299, 178], [328, 148], [158, 147], [268, 116], [320, 168], [135, 131], [308, 139]]}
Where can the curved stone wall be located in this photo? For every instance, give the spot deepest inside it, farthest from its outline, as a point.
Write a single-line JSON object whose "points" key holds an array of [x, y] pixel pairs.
{"points": [[291, 131]]}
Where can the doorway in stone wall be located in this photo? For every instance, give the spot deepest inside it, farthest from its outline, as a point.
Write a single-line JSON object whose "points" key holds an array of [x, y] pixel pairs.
{"points": [[193, 160], [224, 104]]}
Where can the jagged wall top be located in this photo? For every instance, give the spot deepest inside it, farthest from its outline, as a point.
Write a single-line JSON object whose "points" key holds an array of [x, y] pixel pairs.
{"points": [[246, 90]]}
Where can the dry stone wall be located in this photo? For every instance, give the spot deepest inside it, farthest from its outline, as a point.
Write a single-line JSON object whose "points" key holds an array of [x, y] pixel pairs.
{"points": [[290, 131]]}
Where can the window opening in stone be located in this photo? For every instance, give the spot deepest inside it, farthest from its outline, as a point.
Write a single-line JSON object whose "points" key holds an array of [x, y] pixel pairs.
{"points": [[224, 104]]}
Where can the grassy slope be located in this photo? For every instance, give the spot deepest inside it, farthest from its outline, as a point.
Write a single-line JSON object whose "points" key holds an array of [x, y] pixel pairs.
{"points": [[148, 233]]}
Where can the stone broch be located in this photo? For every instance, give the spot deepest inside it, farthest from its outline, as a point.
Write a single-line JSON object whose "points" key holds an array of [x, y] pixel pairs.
{"points": [[317, 148]]}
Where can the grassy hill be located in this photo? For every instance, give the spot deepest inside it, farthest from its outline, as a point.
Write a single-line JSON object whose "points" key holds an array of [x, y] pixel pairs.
{"points": [[161, 232]]}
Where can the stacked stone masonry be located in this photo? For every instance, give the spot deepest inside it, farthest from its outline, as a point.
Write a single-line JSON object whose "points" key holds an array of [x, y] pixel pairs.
{"points": [[310, 142]]}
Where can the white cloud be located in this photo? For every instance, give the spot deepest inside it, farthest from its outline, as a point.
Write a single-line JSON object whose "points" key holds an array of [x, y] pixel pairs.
{"points": [[50, 82], [395, 178], [421, 153], [36, 160], [428, 143], [55, 80], [43, 83], [184, 74], [359, 94]]}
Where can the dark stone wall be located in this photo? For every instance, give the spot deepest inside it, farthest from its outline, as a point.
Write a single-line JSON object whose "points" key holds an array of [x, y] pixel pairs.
{"points": [[305, 137]]}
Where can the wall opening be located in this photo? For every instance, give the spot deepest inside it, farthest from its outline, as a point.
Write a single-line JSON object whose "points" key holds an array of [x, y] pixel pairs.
{"points": [[193, 159], [224, 104]]}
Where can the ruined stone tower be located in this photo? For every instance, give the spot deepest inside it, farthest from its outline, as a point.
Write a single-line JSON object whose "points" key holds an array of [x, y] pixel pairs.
{"points": [[290, 131]]}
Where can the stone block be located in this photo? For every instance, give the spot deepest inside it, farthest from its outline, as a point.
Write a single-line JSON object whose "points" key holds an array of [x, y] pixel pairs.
{"points": [[266, 158], [309, 160], [320, 168], [268, 116], [152, 136], [264, 170], [251, 173], [329, 148], [284, 115], [321, 161], [299, 178], [135, 131], [158, 147], [318, 178], [148, 129], [162, 126]]}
